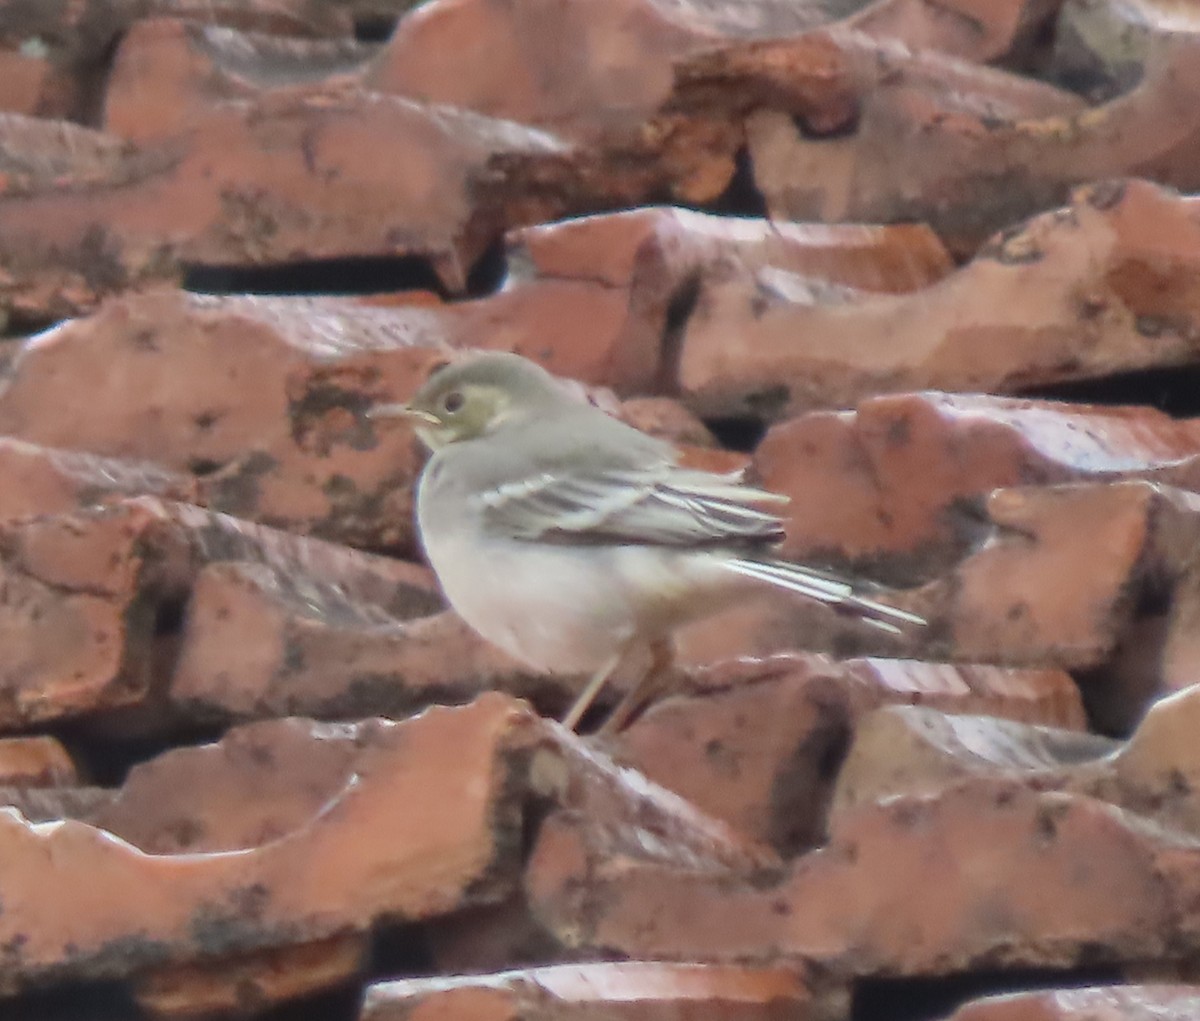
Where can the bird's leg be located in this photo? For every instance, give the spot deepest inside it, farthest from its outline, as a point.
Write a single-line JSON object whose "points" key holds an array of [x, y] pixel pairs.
{"points": [[594, 686], [662, 656]]}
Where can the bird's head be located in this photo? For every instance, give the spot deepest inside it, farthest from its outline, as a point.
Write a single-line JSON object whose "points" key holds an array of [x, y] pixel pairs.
{"points": [[474, 396]]}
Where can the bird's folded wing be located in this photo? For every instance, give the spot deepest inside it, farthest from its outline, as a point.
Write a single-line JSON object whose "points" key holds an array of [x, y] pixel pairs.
{"points": [[661, 504]]}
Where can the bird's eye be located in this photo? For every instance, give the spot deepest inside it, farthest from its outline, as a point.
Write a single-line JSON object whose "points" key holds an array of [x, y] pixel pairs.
{"points": [[453, 401]]}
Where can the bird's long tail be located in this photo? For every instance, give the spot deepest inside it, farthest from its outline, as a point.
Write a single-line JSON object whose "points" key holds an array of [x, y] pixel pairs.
{"points": [[827, 588]]}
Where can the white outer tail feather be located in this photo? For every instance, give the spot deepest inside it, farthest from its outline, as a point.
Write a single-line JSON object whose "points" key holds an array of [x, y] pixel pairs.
{"points": [[825, 589]]}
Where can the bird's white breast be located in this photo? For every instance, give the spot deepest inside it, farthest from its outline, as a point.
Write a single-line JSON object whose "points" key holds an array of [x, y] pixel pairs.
{"points": [[546, 606]]}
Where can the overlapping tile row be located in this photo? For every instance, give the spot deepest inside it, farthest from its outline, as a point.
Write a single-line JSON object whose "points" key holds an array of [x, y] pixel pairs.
{"points": [[518, 136], [249, 760], [994, 816]]}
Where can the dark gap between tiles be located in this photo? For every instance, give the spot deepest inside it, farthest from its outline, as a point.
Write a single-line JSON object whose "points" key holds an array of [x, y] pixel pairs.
{"points": [[744, 434], [359, 275], [375, 27], [399, 951], [76, 1001], [105, 760], [487, 273], [933, 999], [741, 196], [339, 1004], [1174, 390]]}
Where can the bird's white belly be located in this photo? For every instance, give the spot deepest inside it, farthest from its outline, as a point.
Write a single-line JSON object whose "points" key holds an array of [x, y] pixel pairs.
{"points": [[556, 607], [545, 605]]}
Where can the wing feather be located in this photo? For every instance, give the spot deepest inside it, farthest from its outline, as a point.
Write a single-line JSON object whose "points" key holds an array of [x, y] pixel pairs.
{"points": [[660, 504]]}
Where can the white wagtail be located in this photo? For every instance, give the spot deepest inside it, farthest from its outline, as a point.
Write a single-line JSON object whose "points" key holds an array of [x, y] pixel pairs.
{"points": [[572, 540]]}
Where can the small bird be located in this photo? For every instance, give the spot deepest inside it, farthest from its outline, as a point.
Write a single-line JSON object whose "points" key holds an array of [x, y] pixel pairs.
{"points": [[573, 541]]}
